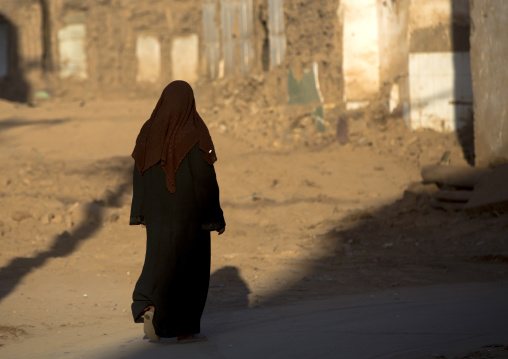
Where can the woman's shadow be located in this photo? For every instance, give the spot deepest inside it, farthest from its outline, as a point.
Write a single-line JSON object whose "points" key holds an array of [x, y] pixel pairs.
{"points": [[228, 289]]}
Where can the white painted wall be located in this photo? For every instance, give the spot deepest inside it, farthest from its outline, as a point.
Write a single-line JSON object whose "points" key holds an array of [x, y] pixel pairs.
{"points": [[148, 53], [360, 49], [71, 45], [440, 87], [185, 58]]}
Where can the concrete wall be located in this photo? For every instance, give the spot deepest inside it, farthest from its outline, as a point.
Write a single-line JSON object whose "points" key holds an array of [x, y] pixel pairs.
{"points": [[441, 94], [439, 66], [489, 64]]}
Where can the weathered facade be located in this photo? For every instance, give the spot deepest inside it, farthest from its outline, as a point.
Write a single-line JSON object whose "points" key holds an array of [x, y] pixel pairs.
{"points": [[413, 56], [86, 48], [358, 50]]}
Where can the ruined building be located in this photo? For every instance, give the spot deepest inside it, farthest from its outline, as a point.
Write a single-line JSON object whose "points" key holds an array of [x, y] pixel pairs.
{"points": [[411, 56]]}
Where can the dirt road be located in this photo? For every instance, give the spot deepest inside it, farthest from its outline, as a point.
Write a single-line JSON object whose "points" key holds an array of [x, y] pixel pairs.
{"points": [[304, 222], [427, 322]]}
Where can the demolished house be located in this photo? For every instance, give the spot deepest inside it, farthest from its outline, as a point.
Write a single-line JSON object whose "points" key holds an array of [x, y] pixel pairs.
{"points": [[419, 59]]}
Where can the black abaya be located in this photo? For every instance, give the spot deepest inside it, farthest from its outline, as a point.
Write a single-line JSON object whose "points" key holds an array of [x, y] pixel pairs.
{"points": [[176, 272]]}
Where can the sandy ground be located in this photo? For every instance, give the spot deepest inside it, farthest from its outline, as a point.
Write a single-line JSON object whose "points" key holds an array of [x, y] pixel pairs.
{"points": [[306, 220], [419, 322]]}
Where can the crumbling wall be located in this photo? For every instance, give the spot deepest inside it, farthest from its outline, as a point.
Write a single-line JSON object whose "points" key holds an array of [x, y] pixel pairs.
{"points": [[129, 44], [489, 54], [127, 47], [91, 46], [314, 34]]}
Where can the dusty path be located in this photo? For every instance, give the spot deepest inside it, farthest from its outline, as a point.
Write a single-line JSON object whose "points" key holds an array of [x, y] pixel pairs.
{"points": [[303, 223], [411, 323], [430, 322]]}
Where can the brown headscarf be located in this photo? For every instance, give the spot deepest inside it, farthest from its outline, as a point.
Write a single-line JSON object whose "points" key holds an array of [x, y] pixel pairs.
{"points": [[170, 133]]}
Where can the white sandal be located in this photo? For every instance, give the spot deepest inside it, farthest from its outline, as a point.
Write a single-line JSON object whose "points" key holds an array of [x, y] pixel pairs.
{"points": [[148, 326]]}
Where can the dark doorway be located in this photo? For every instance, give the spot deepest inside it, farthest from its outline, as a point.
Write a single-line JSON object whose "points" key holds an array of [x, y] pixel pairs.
{"points": [[13, 86]]}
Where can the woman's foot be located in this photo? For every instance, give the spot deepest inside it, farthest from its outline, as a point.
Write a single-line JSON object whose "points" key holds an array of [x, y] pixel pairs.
{"points": [[148, 323], [191, 338]]}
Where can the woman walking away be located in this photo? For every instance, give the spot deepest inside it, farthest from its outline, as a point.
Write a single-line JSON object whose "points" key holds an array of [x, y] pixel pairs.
{"points": [[176, 198]]}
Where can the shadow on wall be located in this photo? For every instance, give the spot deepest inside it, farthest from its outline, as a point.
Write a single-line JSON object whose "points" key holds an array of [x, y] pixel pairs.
{"points": [[13, 86], [460, 33]]}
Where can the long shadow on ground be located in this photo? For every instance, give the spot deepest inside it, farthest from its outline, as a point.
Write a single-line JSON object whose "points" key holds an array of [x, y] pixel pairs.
{"points": [[19, 122], [227, 290], [404, 244], [66, 243]]}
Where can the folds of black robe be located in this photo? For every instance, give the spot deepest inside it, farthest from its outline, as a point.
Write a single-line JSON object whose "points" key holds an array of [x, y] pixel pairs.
{"points": [[176, 272]]}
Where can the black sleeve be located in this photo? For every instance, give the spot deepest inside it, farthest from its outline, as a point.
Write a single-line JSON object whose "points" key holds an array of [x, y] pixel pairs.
{"points": [[138, 199], [207, 191]]}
